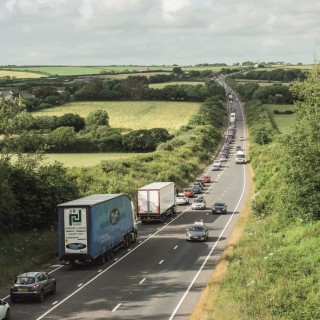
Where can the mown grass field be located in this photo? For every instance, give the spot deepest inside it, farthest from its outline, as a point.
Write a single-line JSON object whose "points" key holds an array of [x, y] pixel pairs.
{"points": [[133, 115], [20, 74], [162, 85], [83, 159], [283, 122], [262, 83]]}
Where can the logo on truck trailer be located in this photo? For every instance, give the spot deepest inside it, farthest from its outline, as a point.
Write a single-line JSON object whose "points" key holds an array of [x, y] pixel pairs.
{"points": [[114, 216], [75, 231]]}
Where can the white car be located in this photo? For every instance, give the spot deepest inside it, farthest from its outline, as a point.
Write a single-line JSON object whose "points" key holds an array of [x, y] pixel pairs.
{"points": [[4, 310], [217, 163], [181, 199], [241, 138]]}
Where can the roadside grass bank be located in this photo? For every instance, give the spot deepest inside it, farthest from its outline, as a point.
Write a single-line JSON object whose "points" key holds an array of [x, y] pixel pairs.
{"points": [[24, 251], [133, 114]]}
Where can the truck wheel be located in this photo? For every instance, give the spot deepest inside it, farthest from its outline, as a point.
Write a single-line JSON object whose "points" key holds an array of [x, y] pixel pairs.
{"points": [[101, 259]]}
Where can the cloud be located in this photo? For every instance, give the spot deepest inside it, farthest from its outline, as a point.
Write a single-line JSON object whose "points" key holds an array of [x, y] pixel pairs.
{"points": [[157, 31]]}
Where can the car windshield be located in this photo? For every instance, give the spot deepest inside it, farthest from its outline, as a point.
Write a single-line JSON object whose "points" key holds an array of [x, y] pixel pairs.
{"points": [[219, 204], [25, 280], [195, 228]]}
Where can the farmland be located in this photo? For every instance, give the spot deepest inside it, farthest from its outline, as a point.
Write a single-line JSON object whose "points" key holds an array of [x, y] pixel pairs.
{"points": [[83, 159], [162, 85], [20, 74], [262, 83], [283, 122], [133, 114]]}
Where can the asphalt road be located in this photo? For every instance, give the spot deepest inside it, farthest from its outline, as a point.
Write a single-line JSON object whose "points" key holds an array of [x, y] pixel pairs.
{"points": [[162, 275]]}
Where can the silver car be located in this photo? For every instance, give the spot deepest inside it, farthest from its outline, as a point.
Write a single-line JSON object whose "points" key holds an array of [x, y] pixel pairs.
{"points": [[197, 232], [199, 203]]}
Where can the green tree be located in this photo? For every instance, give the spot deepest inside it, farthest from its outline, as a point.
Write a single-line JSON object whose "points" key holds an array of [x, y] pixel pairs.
{"points": [[301, 151], [98, 118]]}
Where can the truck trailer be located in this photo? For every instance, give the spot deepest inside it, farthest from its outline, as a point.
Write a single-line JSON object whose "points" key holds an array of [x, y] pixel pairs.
{"points": [[156, 201], [92, 228]]}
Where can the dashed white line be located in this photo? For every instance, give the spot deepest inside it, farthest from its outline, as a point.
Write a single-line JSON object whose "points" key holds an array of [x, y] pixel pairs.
{"points": [[161, 261], [116, 307], [142, 281]]}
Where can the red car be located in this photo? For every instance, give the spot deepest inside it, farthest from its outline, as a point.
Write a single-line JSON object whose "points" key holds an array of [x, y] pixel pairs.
{"points": [[188, 192], [205, 179]]}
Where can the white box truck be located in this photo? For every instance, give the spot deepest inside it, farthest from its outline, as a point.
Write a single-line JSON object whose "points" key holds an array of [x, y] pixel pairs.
{"points": [[156, 201], [240, 157]]}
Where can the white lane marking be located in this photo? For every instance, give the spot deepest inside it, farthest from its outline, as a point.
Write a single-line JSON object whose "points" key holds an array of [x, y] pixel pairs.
{"points": [[53, 303], [175, 247], [161, 261], [79, 285], [142, 281], [116, 307]]}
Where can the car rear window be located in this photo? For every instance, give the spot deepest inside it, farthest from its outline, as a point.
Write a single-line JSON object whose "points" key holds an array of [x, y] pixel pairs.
{"points": [[25, 280]]}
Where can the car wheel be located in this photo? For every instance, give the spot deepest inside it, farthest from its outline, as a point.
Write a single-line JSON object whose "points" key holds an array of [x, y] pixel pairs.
{"points": [[54, 288], [41, 296]]}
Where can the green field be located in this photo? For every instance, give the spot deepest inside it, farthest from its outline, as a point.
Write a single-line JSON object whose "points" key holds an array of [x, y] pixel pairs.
{"points": [[133, 114], [162, 85], [262, 83], [83, 159], [283, 122]]}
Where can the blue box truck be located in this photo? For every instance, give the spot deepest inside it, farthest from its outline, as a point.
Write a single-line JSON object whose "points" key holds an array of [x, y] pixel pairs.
{"points": [[92, 228]]}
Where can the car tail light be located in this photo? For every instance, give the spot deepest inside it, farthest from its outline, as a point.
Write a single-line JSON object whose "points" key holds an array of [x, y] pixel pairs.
{"points": [[35, 287]]}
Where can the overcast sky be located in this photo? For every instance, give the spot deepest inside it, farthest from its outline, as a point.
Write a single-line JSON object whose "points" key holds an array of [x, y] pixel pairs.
{"points": [[157, 32]]}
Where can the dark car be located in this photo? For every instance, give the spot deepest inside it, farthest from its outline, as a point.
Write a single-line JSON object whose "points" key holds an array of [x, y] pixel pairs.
{"points": [[33, 285], [219, 207], [197, 232]]}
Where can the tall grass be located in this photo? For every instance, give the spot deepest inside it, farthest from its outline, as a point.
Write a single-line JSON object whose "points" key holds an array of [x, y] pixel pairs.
{"points": [[23, 251]]}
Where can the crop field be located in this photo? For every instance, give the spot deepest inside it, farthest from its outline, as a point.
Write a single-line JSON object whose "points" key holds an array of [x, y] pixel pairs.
{"points": [[19, 74], [284, 122], [83, 159], [262, 83], [133, 115], [162, 85]]}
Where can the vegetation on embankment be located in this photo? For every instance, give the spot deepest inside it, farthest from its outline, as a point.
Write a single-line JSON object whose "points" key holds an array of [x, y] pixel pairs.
{"points": [[273, 271]]}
